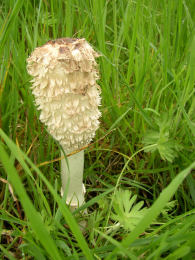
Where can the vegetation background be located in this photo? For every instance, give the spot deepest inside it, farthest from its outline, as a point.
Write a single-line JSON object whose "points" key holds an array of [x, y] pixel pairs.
{"points": [[139, 170]]}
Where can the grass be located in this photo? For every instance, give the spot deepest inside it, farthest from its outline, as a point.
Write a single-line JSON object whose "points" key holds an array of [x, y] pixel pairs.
{"points": [[143, 150]]}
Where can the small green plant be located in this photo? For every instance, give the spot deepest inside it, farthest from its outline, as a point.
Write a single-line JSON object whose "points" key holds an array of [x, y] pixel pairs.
{"points": [[168, 210], [161, 140], [125, 209]]}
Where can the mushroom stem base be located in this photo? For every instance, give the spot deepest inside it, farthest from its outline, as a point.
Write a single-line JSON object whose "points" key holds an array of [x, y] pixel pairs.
{"points": [[72, 179]]}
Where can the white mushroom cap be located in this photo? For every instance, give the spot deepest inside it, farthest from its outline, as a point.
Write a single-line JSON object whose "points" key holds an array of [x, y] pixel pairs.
{"points": [[65, 90]]}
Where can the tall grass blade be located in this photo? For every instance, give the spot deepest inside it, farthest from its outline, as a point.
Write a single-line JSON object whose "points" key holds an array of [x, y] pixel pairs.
{"points": [[35, 219], [7, 26]]}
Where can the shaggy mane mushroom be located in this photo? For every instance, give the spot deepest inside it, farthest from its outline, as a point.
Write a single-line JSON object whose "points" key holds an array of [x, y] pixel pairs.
{"points": [[64, 86]]}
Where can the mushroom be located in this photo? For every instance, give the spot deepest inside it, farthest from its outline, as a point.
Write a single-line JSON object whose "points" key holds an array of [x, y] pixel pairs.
{"points": [[66, 93]]}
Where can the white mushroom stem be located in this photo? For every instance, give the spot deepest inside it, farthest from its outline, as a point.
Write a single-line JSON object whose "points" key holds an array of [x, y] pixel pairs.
{"points": [[72, 179]]}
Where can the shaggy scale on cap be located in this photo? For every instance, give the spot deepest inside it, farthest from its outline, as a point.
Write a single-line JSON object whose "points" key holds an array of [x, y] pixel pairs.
{"points": [[64, 86]]}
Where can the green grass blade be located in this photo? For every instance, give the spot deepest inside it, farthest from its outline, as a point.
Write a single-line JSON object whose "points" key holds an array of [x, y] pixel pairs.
{"points": [[33, 216], [6, 28], [133, 41], [118, 245], [10, 257]]}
